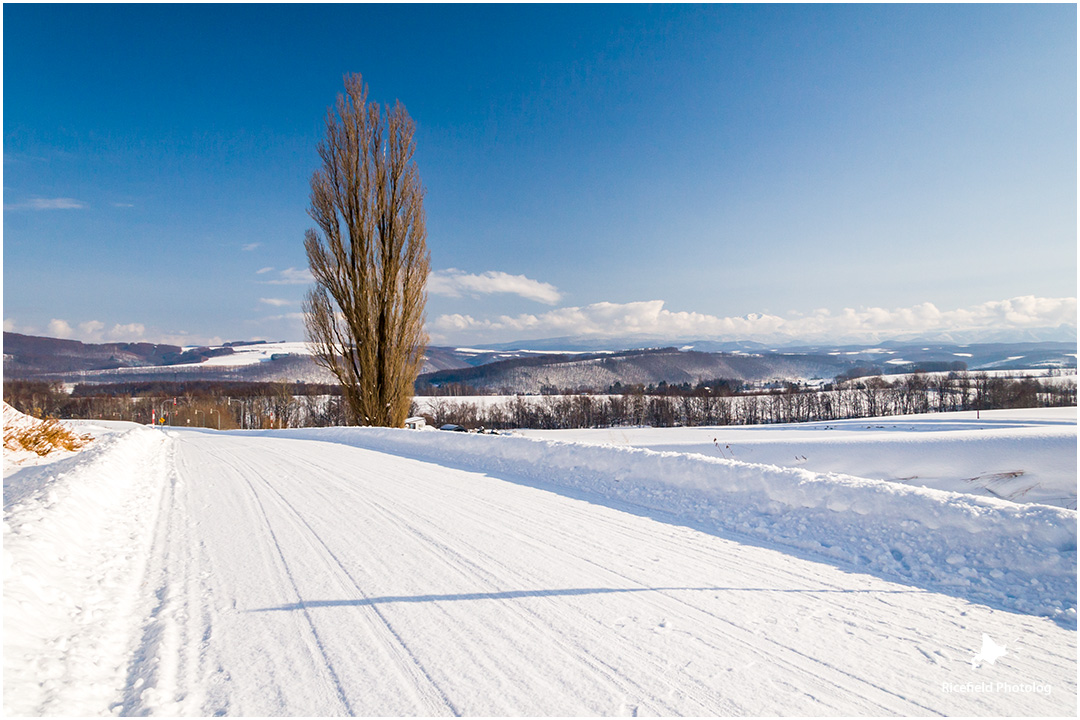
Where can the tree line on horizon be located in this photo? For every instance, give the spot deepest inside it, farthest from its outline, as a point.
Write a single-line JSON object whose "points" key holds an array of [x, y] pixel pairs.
{"points": [[229, 406], [919, 393]]}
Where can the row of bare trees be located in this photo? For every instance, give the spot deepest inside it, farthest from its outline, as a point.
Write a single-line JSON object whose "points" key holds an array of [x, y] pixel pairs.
{"points": [[221, 406], [868, 397], [282, 405]]}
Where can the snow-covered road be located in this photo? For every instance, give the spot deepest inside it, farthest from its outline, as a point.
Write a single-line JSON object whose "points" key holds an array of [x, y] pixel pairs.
{"points": [[298, 576]]}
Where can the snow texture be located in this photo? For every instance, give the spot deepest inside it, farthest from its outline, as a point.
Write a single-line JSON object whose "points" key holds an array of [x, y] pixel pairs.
{"points": [[1019, 557], [1020, 455], [392, 572], [75, 547]]}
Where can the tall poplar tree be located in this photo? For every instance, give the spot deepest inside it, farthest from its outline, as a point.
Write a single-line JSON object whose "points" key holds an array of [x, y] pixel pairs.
{"points": [[365, 313]]}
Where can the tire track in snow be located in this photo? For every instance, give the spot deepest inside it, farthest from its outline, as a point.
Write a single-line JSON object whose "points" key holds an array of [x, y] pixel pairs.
{"points": [[825, 673], [429, 694], [878, 616], [525, 617], [700, 697], [918, 607], [152, 672], [307, 615], [738, 633], [460, 561], [465, 568], [395, 520], [918, 613], [410, 505]]}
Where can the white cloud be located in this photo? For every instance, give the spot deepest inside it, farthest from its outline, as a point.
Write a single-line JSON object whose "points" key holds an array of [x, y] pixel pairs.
{"points": [[95, 331], [12, 325], [91, 331], [128, 333], [91, 328], [291, 276], [251, 246], [613, 319], [1014, 314], [287, 316], [651, 319], [455, 283], [49, 204], [183, 339], [276, 302], [263, 271], [59, 328]]}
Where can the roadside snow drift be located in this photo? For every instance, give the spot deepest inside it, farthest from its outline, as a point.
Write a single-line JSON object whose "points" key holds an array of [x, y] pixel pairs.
{"points": [[1027, 456], [1019, 557], [75, 538]]}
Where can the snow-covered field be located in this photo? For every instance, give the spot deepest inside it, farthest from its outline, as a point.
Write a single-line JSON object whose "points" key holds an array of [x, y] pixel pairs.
{"points": [[243, 355], [1019, 455], [390, 572]]}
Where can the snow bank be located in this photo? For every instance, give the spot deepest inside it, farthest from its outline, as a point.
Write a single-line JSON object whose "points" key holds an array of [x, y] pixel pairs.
{"points": [[76, 534], [27, 440], [1020, 557], [1026, 456]]}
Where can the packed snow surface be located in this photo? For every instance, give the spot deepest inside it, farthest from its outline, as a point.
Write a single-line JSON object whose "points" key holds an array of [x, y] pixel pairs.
{"points": [[382, 572], [1015, 555]]}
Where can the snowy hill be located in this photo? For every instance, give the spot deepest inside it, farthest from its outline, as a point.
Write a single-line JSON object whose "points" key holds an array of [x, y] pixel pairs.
{"points": [[530, 372], [68, 361], [27, 355]]}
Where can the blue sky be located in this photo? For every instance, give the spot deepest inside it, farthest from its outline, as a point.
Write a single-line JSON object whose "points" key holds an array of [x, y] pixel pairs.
{"points": [[734, 172]]}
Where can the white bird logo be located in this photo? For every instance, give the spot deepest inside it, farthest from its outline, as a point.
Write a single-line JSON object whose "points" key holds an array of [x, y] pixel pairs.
{"points": [[990, 652]]}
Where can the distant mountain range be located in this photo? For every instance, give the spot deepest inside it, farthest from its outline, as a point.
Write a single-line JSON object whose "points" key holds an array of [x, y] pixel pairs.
{"points": [[534, 372], [530, 368], [28, 355], [70, 361]]}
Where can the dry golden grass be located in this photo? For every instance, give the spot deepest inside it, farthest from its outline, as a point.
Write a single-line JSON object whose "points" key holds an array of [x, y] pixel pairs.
{"points": [[43, 437]]}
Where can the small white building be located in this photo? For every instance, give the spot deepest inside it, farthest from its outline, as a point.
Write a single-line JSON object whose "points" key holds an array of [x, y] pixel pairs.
{"points": [[415, 423]]}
